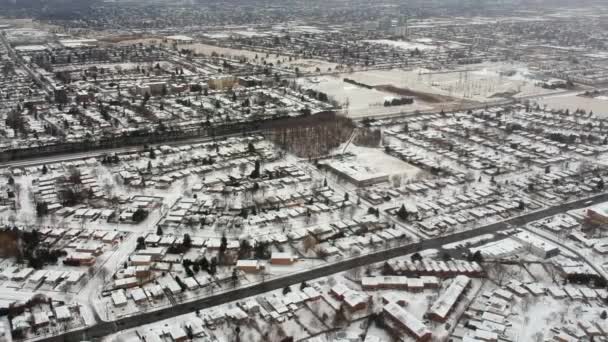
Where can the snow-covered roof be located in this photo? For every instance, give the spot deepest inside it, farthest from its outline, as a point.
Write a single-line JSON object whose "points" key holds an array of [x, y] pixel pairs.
{"points": [[446, 301]]}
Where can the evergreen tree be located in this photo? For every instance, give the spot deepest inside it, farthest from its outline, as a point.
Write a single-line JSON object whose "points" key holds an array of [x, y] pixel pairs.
{"points": [[204, 264], [256, 171], [235, 276], [402, 213], [223, 244], [187, 243]]}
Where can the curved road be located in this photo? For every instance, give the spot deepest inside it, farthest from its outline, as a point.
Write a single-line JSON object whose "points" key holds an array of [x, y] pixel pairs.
{"points": [[106, 328]]}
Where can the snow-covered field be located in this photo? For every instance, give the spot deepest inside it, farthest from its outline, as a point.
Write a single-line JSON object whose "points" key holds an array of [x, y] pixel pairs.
{"points": [[305, 65], [485, 82], [358, 101], [572, 102], [401, 44], [478, 82]]}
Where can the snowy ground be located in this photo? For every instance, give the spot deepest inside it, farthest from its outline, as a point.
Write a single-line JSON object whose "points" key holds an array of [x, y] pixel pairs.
{"points": [[305, 65], [358, 101], [314, 318], [477, 82], [572, 102], [401, 44]]}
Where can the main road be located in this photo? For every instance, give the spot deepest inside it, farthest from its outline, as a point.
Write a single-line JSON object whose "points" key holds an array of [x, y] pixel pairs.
{"points": [[397, 114], [64, 157], [102, 329]]}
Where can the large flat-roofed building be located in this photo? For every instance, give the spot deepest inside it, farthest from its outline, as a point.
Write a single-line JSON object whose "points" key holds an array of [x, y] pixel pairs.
{"points": [[180, 39], [355, 174], [597, 214], [538, 246]]}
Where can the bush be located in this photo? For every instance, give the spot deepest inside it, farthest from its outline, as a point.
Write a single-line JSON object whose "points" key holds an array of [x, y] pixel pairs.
{"points": [[140, 215], [42, 209]]}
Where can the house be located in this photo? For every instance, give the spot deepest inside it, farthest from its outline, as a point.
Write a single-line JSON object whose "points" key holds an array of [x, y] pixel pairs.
{"points": [[386, 282], [93, 247], [339, 290], [249, 266], [41, 318], [355, 300], [249, 81], [156, 253], [62, 313], [142, 272], [517, 288], [21, 322], [82, 259], [190, 283], [236, 314], [119, 298], [152, 239], [125, 283], [195, 325], [139, 295], [37, 276], [155, 291], [74, 277], [590, 329], [177, 334], [311, 293], [52, 276], [484, 335], [170, 285], [415, 284], [283, 258], [141, 260], [22, 274], [250, 306], [556, 292], [111, 237], [167, 240]]}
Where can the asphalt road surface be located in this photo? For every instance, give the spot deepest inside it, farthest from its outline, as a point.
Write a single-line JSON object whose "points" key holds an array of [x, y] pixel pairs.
{"points": [[102, 329], [64, 157]]}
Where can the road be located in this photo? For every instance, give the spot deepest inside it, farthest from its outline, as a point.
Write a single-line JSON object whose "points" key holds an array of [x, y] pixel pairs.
{"points": [[62, 157], [102, 329], [398, 114], [119, 150]]}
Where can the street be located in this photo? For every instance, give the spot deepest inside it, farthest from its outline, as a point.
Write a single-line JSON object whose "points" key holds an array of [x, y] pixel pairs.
{"points": [[102, 329]]}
